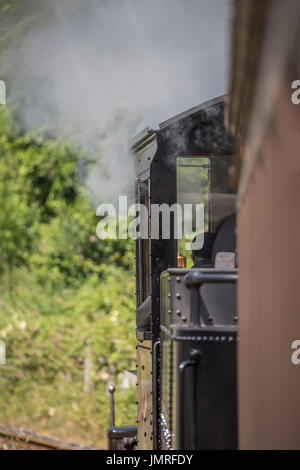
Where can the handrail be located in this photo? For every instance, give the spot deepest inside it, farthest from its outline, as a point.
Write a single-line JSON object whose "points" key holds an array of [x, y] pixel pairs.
{"points": [[197, 278], [195, 355]]}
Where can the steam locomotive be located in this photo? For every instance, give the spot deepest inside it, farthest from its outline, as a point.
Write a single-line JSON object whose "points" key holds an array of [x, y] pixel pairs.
{"points": [[187, 372], [186, 318]]}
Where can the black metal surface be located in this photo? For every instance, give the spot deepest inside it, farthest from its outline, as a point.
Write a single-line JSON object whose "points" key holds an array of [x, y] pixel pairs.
{"points": [[214, 297], [207, 334], [197, 278], [199, 397], [198, 132], [195, 355], [122, 437], [204, 396]]}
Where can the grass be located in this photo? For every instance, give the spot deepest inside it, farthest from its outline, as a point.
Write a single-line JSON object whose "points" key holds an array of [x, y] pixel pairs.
{"points": [[50, 335]]}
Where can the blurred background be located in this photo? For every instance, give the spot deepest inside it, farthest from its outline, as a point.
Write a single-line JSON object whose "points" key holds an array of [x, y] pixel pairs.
{"points": [[82, 77]]}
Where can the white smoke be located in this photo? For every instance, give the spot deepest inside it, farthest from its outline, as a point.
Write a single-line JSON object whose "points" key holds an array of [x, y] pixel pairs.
{"points": [[103, 70]]}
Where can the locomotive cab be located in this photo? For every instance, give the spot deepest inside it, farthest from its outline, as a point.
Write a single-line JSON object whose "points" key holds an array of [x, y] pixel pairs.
{"points": [[186, 317]]}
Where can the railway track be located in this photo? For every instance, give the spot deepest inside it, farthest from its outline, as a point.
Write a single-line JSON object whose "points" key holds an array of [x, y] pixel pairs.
{"points": [[12, 438]]}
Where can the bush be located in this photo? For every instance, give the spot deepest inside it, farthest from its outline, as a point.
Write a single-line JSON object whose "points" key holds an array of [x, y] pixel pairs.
{"points": [[65, 296]]}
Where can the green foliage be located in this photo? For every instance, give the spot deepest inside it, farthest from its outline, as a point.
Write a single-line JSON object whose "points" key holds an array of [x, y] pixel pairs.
{"points": [[49, 333], [65, 296], [38, 181]]}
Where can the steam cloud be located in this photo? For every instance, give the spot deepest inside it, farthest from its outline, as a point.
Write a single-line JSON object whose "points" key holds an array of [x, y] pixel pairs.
{"points": [[102, 71]]}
